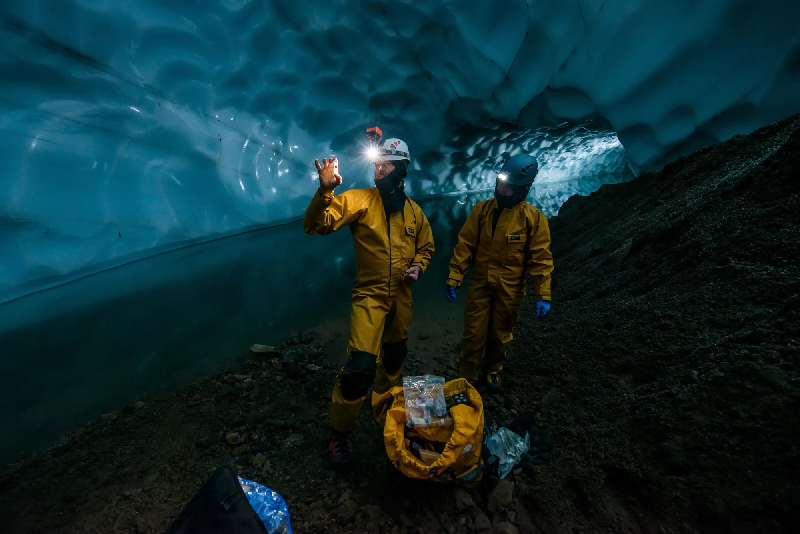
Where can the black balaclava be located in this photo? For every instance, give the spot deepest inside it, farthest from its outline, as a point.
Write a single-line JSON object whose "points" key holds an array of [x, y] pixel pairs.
{"points": [[520, 193], [391, 188]]}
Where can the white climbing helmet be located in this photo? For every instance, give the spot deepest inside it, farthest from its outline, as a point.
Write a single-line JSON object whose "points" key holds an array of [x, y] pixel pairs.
{"points": [[392, 150]]}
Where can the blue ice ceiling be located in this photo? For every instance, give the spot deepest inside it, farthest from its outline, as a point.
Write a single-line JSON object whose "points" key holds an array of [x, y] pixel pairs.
{"points": [[129, 127]]}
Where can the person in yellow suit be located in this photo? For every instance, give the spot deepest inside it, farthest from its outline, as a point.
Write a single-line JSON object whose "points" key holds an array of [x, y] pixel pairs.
{"points": [[508, 238], [393, 246]]}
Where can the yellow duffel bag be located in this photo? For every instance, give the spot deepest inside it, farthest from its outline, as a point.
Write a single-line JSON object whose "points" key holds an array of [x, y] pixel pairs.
{"points": [[444, 453]]}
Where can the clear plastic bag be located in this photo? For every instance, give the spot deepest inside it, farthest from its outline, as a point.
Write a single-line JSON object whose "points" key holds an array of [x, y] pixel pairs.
{"points": [[508, 447], [269, 506], [425, 402]]}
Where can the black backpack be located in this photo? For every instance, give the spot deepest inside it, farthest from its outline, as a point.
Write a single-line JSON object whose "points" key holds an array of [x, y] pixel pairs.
{"points": [[219, 507]]}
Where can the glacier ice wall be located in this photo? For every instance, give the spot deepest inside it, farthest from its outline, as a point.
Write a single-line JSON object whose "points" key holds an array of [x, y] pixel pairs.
{"points": [[86, 348], [128, 127], [89, 347]]}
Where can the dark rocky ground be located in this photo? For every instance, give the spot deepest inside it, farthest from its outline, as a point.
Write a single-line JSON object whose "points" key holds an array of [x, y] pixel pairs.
{"points": [[667, 375]]}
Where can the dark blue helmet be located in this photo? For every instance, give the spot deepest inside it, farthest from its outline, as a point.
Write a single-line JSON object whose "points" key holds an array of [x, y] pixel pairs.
{"points": [[519, 170]]}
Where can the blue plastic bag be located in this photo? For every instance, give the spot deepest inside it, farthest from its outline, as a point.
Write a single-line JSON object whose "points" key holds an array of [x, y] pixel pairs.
{"points": [[269, 506]]}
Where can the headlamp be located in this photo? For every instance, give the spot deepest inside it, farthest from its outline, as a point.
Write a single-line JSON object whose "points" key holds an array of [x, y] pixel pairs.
{"points": [[374, 135], [502, 176]]}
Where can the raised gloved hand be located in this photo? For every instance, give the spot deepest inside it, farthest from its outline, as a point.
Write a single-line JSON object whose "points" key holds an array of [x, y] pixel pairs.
{"points": [[450, 291], [542, 307]]}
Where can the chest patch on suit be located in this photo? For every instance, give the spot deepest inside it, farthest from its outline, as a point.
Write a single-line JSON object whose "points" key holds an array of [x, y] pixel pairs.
{"points": [[410, 230], [514, 238]]}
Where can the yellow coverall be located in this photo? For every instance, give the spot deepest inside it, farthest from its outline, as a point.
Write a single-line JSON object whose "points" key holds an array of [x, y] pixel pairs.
{"points": [[381, 300], [519, 244]]}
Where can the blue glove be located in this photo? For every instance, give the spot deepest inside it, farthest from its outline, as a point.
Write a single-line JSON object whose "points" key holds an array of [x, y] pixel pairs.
{"points": [[450, 291], [542, 307]]}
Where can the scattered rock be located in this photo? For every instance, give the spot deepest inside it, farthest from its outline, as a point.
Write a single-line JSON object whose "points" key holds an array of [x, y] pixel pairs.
{"points": [[234, 438], [108, 417], [130, 493], [346, 512], [463, 500], [293, 441], [550, 399], [432, 523], [41, 458], [475, 511], [505, 528], [276, 423], [482, 523], [775, 378], [294, 371], [502, 495], [306, 337], [268, 468], [259, 460], [62, 448], [203, 443], [141, 525], [346, 496], [406, 521], [258, 446], [313, 368], [374, 512], [263, 353], [313, 353]]}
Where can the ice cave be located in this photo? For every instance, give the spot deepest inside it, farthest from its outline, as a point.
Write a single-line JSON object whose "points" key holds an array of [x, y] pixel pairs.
{"points": [[158, 160]]}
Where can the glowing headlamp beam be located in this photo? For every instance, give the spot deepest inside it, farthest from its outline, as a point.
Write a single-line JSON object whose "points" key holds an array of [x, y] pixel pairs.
{"points": [[372, 153], [502, 176]]}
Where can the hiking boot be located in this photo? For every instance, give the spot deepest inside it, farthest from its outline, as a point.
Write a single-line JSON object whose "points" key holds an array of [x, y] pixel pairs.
{"points": [[493, 383], [340, 450]]}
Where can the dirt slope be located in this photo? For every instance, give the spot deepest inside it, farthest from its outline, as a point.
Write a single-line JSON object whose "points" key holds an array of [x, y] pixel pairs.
{"points": [[674, 344]]}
